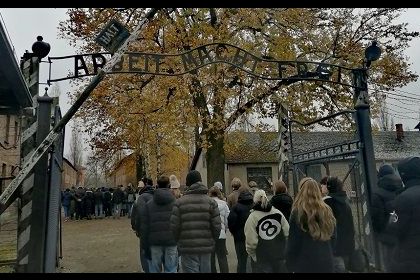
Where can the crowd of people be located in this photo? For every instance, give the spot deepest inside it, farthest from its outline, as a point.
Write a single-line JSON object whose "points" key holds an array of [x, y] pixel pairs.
{"points": [[87, 203], [185, 231], [313, 233]]}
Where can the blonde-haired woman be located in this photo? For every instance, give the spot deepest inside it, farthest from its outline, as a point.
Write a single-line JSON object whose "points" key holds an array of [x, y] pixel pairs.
{"points": [[312, 225], [266, 230], [175, 185]]}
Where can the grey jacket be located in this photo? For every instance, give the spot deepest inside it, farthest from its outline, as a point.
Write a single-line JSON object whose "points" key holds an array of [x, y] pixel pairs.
{"points": [[195, 221]]}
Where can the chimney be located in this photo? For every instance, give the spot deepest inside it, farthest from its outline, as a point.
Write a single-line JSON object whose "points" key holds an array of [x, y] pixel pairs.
{"points": [[400, 131]]}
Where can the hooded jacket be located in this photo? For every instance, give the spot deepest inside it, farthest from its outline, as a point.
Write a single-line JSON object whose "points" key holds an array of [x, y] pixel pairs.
{"points": [[266, 230], [406, 227], [344, 240], [283, 202], [66, 197], [383, 204], [146, 194], [238, 216], [155, 219], [224, 213], [195, 221]]}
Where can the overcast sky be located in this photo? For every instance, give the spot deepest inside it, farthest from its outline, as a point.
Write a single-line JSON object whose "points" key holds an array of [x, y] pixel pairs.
{"points": [[25, 24]]}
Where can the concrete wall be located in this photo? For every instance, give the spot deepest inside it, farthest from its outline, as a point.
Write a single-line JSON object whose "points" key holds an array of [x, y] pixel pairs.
{"points": [[69, 176], [124, 174]]}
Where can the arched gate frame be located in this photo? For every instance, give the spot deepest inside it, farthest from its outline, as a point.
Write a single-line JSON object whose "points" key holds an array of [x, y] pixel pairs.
{"points": [[287, 72]]}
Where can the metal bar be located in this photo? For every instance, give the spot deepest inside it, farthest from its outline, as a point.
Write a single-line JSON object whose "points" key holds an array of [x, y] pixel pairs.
{"points": [[325, 157], [324, 118], [348, 173], [55, 132], [330, 146]]}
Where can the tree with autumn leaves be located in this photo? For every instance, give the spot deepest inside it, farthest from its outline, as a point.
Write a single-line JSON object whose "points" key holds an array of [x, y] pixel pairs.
{"points": [[140, 111]]}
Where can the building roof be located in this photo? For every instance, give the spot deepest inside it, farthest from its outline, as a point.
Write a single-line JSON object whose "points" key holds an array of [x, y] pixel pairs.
{"points": [[122, 162], [14, 93], [69, 163], [261, 147]]}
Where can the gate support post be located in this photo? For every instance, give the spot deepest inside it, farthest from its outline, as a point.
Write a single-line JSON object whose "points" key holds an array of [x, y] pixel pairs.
{"points": [[364, 130], [40, 192]]}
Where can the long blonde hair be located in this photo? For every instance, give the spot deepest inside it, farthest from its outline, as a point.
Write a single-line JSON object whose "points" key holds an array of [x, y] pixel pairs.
{"points": [[313, 214]]}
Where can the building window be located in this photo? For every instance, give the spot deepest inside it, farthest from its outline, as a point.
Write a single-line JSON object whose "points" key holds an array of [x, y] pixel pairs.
{"points": [[204, 159], [6, 140], [262, 176]]}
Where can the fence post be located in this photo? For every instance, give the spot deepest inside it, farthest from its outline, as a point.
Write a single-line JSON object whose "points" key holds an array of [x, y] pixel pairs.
{"points": [[37, 243], [367, 155], [30, 71]]}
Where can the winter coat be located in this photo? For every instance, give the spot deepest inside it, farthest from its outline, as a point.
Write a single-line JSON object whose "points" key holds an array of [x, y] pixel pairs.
{"points": [[238, 216], [118, 196], [155, 226], [283, 202], [224, 213], [383, 204], [89, 202], [195, 221], [232, 199], [131, 196], [66, 199], [406, 227], [79, 195], [145, 195], [343, 245], [266, 230], [98, 197], [304, 254]]}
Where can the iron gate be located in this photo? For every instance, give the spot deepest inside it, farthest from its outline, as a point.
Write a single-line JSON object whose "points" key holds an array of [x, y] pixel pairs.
{"points": [[348, 160]]}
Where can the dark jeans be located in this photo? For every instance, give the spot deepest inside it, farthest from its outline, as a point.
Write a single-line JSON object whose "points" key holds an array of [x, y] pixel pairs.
{"points": [[241, 255], [220, 251], [269, 266], [144, 261], [386, 255]]}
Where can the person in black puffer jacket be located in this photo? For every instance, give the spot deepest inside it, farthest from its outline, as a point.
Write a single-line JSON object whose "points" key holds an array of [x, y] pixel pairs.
{"points": [[281, 199], [145, 194], [236, 223], [405, 220], [155, 228], [196, 225], [389, 185], [343, 243]]}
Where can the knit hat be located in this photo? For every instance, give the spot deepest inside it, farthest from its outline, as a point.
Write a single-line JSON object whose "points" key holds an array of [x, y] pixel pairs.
{"points": [[385, 169], [193, 177], [409, 168], [174, 182], [218, 185]]}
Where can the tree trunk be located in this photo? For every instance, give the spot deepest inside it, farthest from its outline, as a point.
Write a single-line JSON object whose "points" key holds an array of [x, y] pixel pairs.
{"points": [[139, 168], [215, 159]]}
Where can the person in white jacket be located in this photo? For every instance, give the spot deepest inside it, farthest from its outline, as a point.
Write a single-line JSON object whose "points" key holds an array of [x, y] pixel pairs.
{"points": [[220, 249], [266, 230]]}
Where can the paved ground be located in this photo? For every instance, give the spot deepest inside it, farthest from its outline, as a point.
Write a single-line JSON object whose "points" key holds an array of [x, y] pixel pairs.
{"points": [[107, 245]]}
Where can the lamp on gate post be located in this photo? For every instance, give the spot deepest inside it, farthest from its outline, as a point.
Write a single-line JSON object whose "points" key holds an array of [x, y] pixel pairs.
{"points": [[362, 106], [364, 128]]}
